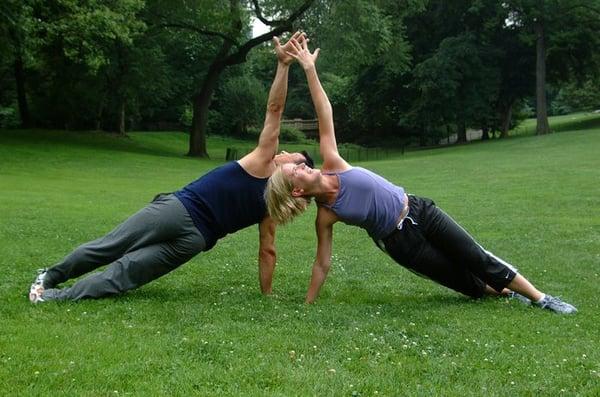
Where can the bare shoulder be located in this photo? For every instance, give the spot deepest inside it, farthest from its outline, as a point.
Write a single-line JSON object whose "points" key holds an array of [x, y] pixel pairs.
{"points": [[257, 165], [335, 164]]}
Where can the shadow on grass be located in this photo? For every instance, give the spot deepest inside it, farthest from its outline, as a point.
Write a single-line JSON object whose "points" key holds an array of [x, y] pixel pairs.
{"points": [[578, 125]]}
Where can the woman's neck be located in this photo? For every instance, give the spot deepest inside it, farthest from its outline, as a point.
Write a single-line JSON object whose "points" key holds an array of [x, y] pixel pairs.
{"points": [[328, 189]]}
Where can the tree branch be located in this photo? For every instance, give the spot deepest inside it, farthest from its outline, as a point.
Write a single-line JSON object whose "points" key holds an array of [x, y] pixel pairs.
{"points": [[240, 55], [282, 26], [196, 29], [261, 18]]}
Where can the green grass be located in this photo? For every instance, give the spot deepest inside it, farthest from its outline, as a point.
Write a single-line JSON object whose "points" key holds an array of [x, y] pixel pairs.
{"points": [[376, 329], [569, 122]]}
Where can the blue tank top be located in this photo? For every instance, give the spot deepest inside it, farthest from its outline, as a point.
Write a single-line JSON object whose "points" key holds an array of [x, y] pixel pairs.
{"points": [[224, 201], [367, 200]]}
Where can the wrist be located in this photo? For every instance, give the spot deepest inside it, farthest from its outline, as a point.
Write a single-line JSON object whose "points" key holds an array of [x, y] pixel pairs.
{"points": [[310, 68]]}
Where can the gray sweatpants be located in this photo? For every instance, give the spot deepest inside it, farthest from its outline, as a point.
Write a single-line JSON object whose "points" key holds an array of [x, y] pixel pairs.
{"points": [[151, 243]]}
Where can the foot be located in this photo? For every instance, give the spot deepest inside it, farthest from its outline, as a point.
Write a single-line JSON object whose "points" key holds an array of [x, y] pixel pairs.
{"points": [[521, 298], [38, 294], [556, 305], [37, 287], [40, 279], [35, 293]]}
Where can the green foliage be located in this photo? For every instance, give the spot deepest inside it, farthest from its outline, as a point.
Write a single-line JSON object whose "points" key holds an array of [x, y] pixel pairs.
{"points": [[577, 96], [9, 117], [88, 31], [377, 329], [291, 134], [242, 102], [456, 84], [287, 134], [395, 72], [186, 116]]}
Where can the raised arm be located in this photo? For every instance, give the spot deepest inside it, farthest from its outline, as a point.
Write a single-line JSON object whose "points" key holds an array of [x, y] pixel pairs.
{"points": [[324, 226], [258, 162], [327, 142]]}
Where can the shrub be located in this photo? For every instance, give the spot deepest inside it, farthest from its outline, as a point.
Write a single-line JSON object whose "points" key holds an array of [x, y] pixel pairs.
{"points": [[286, 134], [9, 117], [291, 134]]}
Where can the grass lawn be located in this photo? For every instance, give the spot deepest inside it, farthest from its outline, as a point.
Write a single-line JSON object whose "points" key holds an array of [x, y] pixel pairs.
{"points": [[376, 329], [568, 122]]}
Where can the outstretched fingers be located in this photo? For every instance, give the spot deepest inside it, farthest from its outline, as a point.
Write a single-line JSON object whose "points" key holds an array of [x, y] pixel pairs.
{"points": [[276, 41], [296, 45], [316, 54]]}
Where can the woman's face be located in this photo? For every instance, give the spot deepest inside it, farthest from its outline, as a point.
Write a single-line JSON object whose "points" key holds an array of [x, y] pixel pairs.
{"points": [[285, 157], [301, 175]]}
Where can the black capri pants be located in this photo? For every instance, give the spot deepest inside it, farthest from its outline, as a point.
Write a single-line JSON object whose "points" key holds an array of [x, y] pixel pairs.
{"points": [[430, 243]]}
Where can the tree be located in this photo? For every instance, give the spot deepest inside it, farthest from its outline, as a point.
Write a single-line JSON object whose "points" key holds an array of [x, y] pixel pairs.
{"points": [[365, 54], [242, 101], [227, 23], [565, 35], [60, 46], [16, 25]]}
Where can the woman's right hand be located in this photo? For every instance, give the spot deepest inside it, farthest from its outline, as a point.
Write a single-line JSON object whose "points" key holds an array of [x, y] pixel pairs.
{"points": [[282, 50], [302, 54]]}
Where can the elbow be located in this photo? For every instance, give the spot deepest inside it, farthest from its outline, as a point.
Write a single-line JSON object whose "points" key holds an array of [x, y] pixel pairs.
{"points": [[275, 108], [266, 253], [324, 266]]}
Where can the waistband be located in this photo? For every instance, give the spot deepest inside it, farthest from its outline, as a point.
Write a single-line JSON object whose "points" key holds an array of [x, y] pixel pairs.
{"points": [[404, 215]]}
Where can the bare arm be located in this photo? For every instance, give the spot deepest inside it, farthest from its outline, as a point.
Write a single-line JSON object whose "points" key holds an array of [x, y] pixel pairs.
{"points": [[324, 226], [258, 162], [327, 145], [267, 254]]}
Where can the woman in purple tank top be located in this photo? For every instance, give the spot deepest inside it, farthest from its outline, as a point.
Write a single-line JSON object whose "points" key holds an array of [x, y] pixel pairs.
{"points": [[412, 230]]}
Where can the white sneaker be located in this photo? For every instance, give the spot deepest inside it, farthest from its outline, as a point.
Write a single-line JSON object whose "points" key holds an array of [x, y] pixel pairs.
{"points": [[556, 305], [35, 293], [37, 287]]}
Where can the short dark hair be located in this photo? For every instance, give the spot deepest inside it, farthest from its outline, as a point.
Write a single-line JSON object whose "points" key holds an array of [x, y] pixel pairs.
{"points": [[308, 160]]}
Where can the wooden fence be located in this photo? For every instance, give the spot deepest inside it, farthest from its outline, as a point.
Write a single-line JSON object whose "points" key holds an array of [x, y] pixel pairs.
{"points": [[351, 154], [310, 128]]}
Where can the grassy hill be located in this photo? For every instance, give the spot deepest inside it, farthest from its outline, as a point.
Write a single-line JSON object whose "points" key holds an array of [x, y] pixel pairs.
{"points": [[376, 329]]}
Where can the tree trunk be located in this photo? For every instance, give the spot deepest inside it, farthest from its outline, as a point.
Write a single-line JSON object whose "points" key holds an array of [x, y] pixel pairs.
{"points": [[506, 118], [99, 113], [21, 95], [121, 123], [540, 78], [461, 133], [202, 102], [485, 133], [423, 136]]}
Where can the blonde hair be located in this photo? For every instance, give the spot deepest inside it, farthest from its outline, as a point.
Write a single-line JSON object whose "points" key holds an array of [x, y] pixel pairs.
{"points": [[282, 206]]}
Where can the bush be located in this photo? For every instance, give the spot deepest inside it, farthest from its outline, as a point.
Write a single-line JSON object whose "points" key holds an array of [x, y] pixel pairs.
{"points": [[291, 134], [187, 115], [242, 101], [253, 132], [9, 117], [286, 134]]}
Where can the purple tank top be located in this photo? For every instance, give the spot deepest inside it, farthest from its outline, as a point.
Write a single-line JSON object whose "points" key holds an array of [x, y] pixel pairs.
{"points": [[367, 200]]}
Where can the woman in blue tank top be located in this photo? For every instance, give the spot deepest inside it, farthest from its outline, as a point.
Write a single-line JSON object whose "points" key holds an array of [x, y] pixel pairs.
{"points": [[412, 230], [175, 227]]}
